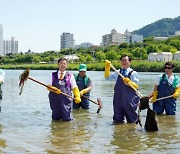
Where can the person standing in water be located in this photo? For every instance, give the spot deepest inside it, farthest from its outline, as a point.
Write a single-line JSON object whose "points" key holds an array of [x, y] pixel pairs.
{"points": [[2, 76], [166, 85], [125, 100], [85, 85], [62, 81]]}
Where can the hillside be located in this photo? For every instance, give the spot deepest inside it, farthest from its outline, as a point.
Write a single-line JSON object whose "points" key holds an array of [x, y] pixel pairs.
{"points": [[164, 27]]}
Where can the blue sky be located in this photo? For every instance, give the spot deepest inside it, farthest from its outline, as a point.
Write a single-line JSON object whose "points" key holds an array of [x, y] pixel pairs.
{"points": [[38, 24]]}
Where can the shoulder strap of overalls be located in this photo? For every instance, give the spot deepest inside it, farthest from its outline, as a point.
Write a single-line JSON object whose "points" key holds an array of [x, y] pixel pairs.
{"points": [[130, 73], [86, 80], [68, 78], [163, 77], [54, 75]]}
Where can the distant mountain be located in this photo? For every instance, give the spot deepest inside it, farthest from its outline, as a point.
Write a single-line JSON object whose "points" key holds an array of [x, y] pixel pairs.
{"points": [[164, 27]]}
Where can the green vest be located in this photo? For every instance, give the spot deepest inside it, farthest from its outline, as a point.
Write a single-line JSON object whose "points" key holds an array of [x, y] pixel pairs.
{"points": [[86, 78], [175, 82]]}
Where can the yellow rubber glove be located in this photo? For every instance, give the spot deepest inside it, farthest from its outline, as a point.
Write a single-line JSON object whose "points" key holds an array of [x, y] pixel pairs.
{"points": [[176, 93], [77, 95], [126, 80], [107, 69], [54, 89], [130, 83], [134, 85], [155, 94], [84, 91]]}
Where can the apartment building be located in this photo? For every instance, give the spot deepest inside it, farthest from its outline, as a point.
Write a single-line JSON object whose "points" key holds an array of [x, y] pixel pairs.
{"points": [[113, 38], [117, 38], [66, 41], [10, 46]]}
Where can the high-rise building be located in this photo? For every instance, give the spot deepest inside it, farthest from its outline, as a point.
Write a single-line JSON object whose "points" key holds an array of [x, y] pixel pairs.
{"points": [[6, 47], [113, 38], [132, 38], [66, 41], [10, 46], [1, 40], [15, 46], [117, 38]]}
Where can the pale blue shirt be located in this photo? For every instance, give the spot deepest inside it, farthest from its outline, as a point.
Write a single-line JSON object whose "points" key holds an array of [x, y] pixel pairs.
{"points": [[134, 75], [2, 75]]}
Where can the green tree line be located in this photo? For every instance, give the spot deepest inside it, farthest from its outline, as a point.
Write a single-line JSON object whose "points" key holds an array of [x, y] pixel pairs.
{"points": [[138, 51]]}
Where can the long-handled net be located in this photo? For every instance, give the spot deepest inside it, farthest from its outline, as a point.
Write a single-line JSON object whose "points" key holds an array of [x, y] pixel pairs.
{"points": [[144, 104], [25, 75], [22, 78]]}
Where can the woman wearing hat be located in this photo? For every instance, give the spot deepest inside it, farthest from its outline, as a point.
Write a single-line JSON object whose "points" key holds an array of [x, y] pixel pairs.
{"points": [[84, 84], [167, 84]]}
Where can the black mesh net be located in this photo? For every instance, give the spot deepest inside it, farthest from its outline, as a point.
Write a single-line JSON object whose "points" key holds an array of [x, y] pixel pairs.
{"points": [[144, 103]]}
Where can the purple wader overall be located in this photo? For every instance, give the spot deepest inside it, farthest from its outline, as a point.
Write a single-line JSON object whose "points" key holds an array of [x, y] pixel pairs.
{"points": [[125, 102], [169, 104], [60, 104]]}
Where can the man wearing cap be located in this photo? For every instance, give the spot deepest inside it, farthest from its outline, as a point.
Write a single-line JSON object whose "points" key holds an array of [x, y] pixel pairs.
{"points": [[84, 84]]}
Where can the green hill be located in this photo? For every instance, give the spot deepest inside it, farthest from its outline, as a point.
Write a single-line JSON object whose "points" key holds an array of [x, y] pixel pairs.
{"points": [[164, 28]]}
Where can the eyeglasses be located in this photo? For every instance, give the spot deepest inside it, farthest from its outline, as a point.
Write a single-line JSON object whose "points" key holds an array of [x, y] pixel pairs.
{"points": [[63, 63], [168, 68]]}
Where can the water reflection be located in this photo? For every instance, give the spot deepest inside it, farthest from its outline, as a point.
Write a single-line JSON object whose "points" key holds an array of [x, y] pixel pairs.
{"points": [[2, 141], [71, 136], [166, 139], [126, 138]]}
